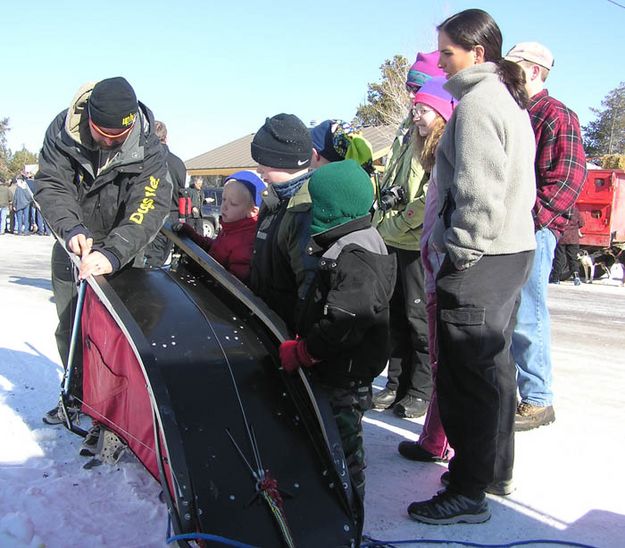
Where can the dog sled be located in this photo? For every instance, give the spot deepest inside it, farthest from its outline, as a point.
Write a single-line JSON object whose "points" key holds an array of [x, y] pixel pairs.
{"points": [[182, 364]]}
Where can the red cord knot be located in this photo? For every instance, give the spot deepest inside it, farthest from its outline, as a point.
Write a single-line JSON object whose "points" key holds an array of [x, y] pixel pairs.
{"points": [[270, 486]]}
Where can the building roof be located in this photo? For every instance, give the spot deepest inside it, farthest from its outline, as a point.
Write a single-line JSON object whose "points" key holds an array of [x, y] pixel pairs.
{"points": [[233, 156]]}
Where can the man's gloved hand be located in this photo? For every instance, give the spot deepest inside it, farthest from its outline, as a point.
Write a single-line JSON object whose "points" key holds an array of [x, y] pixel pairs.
{"points": [[294, 354]]}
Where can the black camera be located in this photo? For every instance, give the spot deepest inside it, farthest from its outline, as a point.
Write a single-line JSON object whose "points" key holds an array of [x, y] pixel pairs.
{"points": [[391, 197]]}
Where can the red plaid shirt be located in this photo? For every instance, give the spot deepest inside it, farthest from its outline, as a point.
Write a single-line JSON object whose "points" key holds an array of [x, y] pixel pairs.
{"points": [[560, 161]]}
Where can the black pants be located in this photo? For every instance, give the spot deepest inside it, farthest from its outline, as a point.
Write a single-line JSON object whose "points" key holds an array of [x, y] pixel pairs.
{"points": [[476, 378], [65, 297], [198, 224], [409, 370], [565, 262]]}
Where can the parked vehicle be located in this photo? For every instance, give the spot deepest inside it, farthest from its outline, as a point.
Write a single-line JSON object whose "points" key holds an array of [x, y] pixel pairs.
{"points": [[210, 211], [601, 204]]}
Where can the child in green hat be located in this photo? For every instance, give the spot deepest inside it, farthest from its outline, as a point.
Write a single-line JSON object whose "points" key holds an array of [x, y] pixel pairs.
{"points": [[344, 328]]}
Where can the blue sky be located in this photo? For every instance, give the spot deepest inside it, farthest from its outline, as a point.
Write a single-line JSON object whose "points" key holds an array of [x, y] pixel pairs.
{"points": [[213, 70]]}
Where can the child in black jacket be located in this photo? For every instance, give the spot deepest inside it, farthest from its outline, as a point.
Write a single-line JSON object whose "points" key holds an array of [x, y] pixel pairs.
{"points": [[344, 328]]}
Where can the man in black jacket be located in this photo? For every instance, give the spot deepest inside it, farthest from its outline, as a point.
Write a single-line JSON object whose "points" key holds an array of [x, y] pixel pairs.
{"points": [[104, 190], [158, 251]]}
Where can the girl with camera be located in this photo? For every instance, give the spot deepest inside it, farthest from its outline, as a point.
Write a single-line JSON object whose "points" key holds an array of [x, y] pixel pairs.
{"points": [[432, 107], [399, 219]]}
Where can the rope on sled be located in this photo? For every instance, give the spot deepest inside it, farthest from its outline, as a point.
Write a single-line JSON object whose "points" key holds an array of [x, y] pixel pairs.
{"points": [[268, 488]]}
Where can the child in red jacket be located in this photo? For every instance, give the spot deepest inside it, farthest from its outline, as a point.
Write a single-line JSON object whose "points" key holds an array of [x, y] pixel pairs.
{"points": [[234, 244]]}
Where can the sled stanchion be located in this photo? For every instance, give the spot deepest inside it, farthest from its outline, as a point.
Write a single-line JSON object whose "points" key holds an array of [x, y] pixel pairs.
{"points": [[82, 288]]}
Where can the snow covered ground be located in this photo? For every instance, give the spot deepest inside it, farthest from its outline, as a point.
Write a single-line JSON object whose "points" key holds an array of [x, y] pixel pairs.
{"points": [[570, 484]]}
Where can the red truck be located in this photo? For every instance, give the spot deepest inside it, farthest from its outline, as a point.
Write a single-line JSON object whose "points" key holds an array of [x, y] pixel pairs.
{"points": [[601, 204]]}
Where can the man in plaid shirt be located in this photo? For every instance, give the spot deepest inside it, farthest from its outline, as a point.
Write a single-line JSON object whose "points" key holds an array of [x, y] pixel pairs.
{"points": [[560, 174]]}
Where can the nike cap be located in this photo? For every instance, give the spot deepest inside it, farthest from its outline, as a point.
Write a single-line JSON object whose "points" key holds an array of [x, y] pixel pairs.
{"points": [[283, 141]]}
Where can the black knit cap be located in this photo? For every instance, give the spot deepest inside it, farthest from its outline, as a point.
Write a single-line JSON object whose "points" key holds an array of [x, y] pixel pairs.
{"points": [[283, 141], [113, 104]]}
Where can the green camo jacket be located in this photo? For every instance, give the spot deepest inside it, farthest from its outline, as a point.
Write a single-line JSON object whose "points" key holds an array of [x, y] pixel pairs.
{"points": [[401, 226]]}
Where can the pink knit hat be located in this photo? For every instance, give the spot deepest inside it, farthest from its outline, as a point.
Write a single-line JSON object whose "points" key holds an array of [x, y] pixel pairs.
{"points": [[424, 68], [433, 95]]}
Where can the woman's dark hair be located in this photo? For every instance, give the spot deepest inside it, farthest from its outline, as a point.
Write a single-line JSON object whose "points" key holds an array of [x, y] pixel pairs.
{"points": [[474, 27]]}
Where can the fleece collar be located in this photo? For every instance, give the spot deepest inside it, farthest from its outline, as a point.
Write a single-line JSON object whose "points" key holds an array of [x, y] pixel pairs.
{"points": [[461, 83]]}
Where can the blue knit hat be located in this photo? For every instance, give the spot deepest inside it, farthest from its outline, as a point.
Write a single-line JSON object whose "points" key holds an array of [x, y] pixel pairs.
{"points": [[323, 141], [252, 182], [336, 140]]}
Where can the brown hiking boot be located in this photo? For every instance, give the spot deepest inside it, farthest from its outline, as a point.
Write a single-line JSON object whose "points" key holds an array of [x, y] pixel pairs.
{"points": [[529, 416]]}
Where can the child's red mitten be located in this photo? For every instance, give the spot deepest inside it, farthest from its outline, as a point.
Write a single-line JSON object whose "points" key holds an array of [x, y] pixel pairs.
{"points": [[294, 354]]}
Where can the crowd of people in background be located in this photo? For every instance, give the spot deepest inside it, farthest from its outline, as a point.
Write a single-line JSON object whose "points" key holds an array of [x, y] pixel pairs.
{"points": [[18, 212], [438, 267]]}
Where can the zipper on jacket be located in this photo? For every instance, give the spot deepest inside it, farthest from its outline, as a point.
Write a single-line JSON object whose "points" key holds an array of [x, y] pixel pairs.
{"points": [[97, 210], [327, 306]]}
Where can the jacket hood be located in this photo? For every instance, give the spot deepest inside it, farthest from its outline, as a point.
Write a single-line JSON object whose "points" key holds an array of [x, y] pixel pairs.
{"points": [[324, 240], [368, 245], [367, 238], [76, 120]]}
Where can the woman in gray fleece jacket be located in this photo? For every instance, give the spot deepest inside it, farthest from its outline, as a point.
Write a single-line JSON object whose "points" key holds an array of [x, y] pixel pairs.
{"points": [[486, 185]]}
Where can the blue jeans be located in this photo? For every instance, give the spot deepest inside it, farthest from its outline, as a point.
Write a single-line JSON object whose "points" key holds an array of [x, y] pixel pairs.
{"points": [[21, 220], [531, 340], [42, 227], [4, 213]]}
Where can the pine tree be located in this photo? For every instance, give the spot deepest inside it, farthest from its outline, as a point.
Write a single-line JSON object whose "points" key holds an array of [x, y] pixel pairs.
{"points": [[387, 100], [5, 153], [606, 134], [20, 159]]}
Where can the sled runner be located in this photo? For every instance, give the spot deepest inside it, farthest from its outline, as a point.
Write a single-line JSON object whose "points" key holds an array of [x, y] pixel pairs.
{"points": [[182, 364]]}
